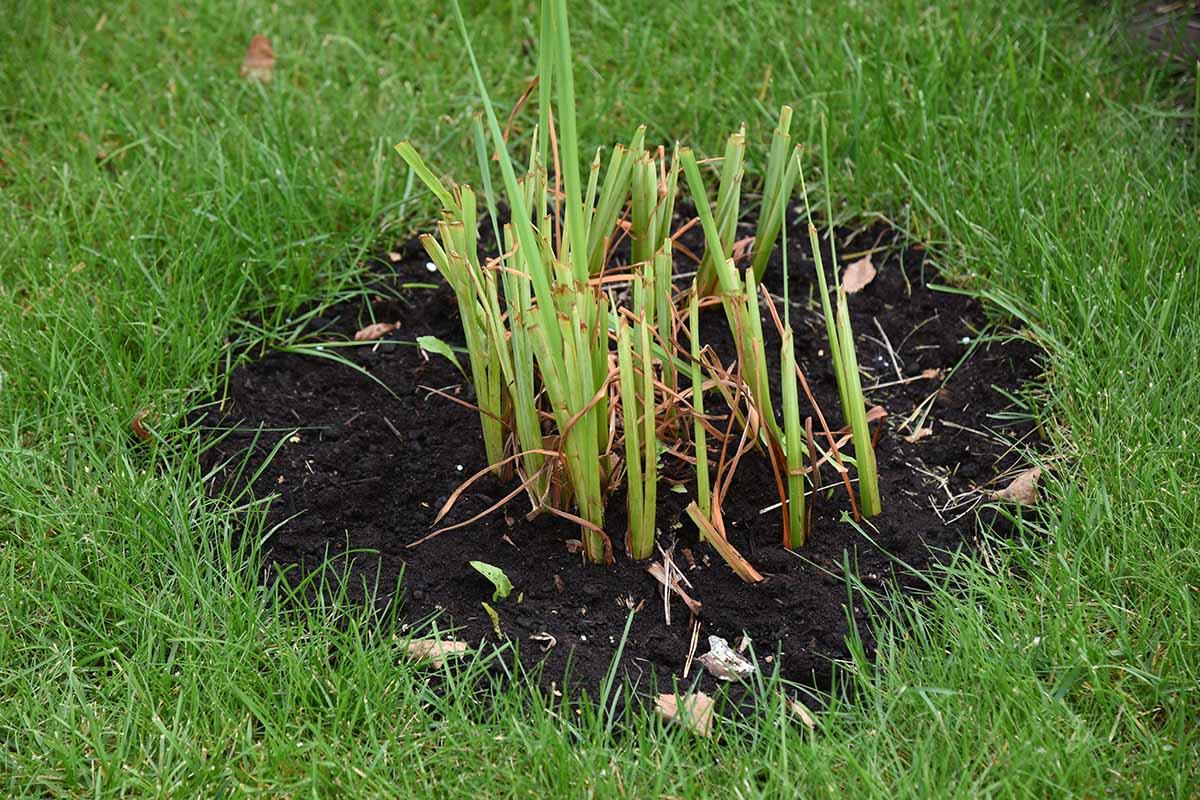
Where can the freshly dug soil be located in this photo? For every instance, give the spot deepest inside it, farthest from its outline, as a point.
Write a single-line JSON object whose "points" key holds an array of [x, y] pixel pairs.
{"points": [[359, 473]]}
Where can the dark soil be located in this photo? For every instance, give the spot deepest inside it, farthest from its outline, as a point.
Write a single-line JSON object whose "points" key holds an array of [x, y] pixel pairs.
{"points": [[361, 473]]}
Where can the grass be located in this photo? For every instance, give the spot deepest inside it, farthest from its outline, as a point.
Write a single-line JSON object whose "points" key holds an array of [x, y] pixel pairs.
{"points": [[152, 202]]}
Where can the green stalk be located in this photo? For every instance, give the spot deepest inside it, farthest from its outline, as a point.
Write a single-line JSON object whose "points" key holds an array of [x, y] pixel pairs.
{"points": [[665, 210], [728, 196], [793, 445], [864, 454], [645, 197], [645, 545], [777, 191], [699, 435], [664, 312], [568, 141], [835, 349], [634, 536], [732, 290], [756, 370], [479, 351]]}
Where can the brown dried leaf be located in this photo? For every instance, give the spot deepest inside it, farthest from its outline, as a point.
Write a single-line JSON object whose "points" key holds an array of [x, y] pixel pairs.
{"points": [[733, 558], [694, 712], [741, 248], [797, 708], [918, 435], [659, 574], [375, 331], [259, 63], [435, 651], [858, 274], [1023, 489]]}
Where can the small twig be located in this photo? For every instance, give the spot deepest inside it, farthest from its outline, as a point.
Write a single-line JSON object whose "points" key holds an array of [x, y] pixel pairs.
{"points": [[687, 666], [891, 351]]}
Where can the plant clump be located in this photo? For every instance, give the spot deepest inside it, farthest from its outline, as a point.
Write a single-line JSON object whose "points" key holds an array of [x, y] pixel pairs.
{"points": [[589, 373]]}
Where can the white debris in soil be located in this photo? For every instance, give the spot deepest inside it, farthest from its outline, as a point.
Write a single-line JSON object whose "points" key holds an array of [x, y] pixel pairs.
{"points": [[723, 662]]}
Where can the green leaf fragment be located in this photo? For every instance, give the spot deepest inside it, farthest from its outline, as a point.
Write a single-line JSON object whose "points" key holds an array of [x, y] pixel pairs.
{"points": [[432, 344], [497, 577]]}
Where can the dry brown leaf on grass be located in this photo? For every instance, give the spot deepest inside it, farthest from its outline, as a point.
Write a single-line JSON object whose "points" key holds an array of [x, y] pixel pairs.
{"points": [[858, 274], [1023, 489], [375, 331], [259, 63], [138, 429], [435, 651], [797, 708], [695, 712]]}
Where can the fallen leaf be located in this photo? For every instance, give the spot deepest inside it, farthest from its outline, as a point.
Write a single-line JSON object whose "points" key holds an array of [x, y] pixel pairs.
{"points": [[140, 431], [797, 708], [1023, 489], [259, 63], [435, 651], [723, 662], [858, 274], [918, 435], [496, 575], [375, 330], [695, 712]]}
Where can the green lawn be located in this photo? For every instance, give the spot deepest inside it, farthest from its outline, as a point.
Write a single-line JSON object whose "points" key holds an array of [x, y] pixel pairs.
{"points": [[151, 203]]}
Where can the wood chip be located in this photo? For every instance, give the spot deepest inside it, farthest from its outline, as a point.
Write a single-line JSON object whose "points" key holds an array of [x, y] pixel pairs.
{"points": [[858, 275], [1023, 490], [259, 63], [435, 651], [694, 712], [375, 330]]}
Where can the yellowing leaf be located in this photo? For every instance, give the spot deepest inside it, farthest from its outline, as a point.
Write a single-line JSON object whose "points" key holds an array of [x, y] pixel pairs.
{"points": [[858, 274], [495, 618]]}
